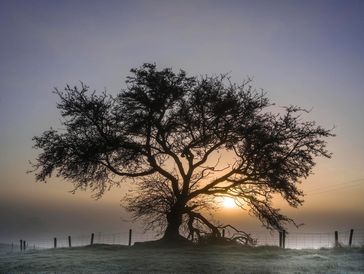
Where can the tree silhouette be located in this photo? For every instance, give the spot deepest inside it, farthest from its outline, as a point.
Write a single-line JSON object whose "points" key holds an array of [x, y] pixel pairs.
{"points": [[183, 141]]}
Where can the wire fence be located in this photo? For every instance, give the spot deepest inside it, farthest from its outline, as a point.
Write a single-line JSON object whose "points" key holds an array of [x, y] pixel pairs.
{"points": [[80, 240], [293, 240], [311, 240]]}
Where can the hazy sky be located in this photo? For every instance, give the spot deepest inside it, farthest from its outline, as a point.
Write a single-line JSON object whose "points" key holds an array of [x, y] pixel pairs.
{"points": [[307, 53]]}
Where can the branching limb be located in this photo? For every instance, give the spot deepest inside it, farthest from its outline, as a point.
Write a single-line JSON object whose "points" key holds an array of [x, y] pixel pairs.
{"points": [[239, 236]]}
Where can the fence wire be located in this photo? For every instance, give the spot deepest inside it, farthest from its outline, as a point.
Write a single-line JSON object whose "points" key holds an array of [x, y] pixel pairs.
{"points": [[293, 240]]}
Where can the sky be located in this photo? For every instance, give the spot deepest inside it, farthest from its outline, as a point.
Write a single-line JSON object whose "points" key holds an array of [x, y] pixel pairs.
{"points": [[305, 53]]}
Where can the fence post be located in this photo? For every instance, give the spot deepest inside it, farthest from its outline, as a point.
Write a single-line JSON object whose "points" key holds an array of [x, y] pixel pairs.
{"points": [[21, 245], [280, 238], [336, 239], [283, 239], [223, 233], [130, 233], [92, 238], [24, 246], [55, 242], [351, 237], [69, 241]]}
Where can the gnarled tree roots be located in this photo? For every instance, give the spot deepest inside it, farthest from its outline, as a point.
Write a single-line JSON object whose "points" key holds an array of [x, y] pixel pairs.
{"points": [[202, 231]]}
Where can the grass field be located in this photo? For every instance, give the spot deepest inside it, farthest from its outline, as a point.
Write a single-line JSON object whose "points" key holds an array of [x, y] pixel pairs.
{"points": [[122, 259]]}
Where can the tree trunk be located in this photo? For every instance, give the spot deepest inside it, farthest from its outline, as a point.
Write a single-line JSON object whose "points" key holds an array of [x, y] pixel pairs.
{"points": [[174, 220]]}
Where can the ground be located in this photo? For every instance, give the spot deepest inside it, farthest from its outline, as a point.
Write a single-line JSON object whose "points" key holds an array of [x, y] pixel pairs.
{"points": [[222, 259]]}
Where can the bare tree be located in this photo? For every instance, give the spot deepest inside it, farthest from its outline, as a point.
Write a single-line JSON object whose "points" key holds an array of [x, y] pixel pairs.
{"points": [[183, 141]]}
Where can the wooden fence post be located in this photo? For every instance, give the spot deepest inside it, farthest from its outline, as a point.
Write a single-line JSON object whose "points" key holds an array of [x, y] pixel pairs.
{"points": [[130, 234], [55, 242], [283, 239], [69, 241], [280, 238], [21, 245], [24, 246], [92, 238], [223, 233], [336, 239], [351, 237]]}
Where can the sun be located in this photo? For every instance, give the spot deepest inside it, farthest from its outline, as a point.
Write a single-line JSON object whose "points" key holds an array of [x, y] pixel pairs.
{"points": [[228, 202]]}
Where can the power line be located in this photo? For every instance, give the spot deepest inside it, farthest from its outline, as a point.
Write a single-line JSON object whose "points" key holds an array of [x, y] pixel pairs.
{"points": [[335, 187], [347, 183]]}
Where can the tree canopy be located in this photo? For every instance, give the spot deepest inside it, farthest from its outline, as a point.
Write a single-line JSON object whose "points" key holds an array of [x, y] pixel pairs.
{"points": [[183, 140]]}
